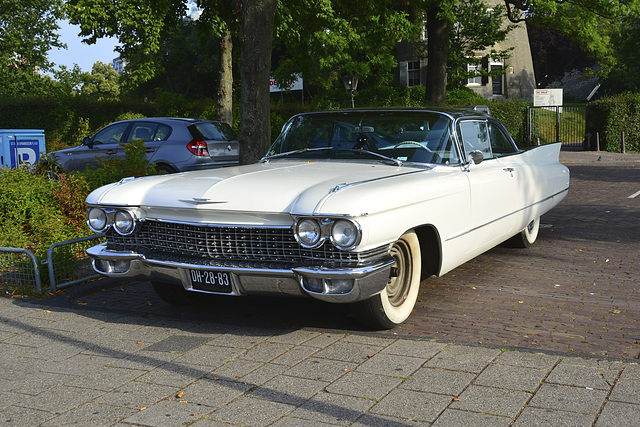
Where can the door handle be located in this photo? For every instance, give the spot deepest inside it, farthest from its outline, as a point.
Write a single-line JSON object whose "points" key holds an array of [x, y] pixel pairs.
{"points": [[510, 170]]}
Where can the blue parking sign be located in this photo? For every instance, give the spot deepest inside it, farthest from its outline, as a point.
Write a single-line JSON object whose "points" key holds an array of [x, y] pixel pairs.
{"points": [[25, 151]]}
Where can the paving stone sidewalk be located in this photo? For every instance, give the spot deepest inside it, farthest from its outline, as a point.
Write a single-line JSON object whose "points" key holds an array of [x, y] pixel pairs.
{"points": [[62, 365]]}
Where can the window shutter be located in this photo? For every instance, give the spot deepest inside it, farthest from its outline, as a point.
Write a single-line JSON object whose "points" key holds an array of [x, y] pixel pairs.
{"points": [[485, 68]]}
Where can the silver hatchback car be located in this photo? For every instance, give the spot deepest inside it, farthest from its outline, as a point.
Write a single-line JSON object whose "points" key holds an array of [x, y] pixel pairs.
{"points": [[172, 144]]}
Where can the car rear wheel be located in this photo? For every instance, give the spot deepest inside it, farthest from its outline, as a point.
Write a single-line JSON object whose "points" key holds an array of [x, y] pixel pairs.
{"points": [[526, 237], [395, 303], [176, 295]]}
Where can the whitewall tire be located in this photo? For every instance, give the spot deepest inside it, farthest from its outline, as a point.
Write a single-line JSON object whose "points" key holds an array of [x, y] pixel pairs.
{"points": [[395, 303]]}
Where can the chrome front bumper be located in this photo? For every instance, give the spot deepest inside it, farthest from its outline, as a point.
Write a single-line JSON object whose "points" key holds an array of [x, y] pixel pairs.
{"points": [[357, 283]]}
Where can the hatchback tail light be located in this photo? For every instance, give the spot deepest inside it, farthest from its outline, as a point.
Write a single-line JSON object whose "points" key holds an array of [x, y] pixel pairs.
{"points": [[198, 148]]}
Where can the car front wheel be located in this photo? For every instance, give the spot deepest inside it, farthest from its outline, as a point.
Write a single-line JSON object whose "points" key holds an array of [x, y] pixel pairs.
{"points": [[395, 303]]}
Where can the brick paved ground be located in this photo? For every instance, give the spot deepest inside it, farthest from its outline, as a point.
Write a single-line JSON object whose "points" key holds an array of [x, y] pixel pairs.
{"points": [[577, 289]]}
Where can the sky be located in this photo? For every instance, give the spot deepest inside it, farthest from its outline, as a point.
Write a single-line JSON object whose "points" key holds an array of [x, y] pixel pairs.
{"points": [[81, 53]]}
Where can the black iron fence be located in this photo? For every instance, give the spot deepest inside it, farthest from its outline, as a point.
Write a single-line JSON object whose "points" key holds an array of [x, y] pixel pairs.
{"points": [[565, 124], [67, 264]]}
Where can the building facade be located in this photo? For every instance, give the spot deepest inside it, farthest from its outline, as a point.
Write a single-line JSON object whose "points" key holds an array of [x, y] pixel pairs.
{"points": [[517, 82]]}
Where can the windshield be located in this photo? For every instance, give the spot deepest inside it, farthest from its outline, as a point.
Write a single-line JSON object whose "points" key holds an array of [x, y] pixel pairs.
{"points": [[418, 137]]}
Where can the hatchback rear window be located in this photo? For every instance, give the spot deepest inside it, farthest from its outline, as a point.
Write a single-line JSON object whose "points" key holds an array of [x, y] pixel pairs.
{"points": [[215, 131]]}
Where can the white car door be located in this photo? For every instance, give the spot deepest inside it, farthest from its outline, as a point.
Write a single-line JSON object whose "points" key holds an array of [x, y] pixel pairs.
{"points": [[494, 189]]}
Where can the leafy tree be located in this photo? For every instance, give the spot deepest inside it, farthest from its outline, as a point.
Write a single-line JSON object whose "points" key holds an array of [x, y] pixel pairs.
{"points": [[325, 39], [69, 80], [187, 63], [142, 27], [28, 30], [220, 18], [439, 22], [101, 83], [625, 76], [587, 22], [477, 29]]}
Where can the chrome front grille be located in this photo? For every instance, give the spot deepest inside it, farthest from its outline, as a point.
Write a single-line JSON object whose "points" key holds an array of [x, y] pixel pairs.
{"points": [[233, 243]]}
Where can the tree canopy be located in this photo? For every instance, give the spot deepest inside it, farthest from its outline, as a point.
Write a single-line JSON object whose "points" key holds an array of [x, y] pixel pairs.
{"points": [[101, 83], [325, 39], [591, 24], [478, 28], [28, 30], [322, 39]]}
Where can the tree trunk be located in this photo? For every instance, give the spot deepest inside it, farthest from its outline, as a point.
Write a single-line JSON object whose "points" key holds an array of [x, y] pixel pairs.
{"points": [[438, 48], [225, 79], [256, 21]]}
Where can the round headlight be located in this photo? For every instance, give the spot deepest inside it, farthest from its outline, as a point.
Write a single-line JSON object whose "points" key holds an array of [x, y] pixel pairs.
{"points": [[344, 234], [124, 222], [308, 232], [97, 219]]}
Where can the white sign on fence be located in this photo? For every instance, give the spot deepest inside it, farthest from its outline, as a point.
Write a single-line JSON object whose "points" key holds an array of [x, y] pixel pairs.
{"points": [[547, 97], [295, 84]]}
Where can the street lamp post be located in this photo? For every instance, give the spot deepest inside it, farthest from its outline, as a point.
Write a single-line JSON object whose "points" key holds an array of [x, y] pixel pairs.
{"points": [[350, 82]]}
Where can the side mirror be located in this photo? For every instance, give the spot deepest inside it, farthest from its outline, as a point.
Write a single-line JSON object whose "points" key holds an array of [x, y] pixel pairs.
{"points": [[87, 141], [476, 156]]}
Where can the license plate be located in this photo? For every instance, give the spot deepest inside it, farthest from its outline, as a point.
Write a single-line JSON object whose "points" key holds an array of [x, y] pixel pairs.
{"points": [[210, 280]]}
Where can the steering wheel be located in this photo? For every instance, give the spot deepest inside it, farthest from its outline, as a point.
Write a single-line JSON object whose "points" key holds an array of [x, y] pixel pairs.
{"points": [[413, 144], [435, 157]]}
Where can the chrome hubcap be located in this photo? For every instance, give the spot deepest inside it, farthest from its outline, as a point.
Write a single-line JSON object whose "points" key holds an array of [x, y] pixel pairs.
{"points": [[398, 286]]}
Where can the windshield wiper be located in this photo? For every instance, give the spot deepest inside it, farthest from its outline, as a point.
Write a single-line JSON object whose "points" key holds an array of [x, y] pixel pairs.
{"points": [[395, 162], [289, 153]]}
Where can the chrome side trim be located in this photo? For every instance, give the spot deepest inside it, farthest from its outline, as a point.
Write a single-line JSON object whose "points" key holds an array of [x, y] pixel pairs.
{"points": [[507, 215]]}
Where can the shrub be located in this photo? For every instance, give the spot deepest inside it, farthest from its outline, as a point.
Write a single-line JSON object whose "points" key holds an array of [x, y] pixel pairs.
{"points": [[464, 97], [30, 216], [513, 114], [611, 116], [112, 169]]}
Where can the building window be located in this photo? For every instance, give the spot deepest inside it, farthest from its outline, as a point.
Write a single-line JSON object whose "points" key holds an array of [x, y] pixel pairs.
{"points": [[413, 73], [477, 80]]}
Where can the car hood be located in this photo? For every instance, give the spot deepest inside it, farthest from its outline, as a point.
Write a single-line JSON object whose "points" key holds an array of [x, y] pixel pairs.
{"points": [[295, 187]]}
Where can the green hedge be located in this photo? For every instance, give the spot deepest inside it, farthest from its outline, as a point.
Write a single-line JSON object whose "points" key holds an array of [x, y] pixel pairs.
{"points": [[609, 117], [513, 114]]}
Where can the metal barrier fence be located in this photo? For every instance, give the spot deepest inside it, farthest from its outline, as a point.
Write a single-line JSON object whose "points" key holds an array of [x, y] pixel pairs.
{"points": [[19, 267], [67, 262], [565, 124]]}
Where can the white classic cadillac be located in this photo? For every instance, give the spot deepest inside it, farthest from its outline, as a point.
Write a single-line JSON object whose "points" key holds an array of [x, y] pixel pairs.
{"points": [[347, 207]]}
